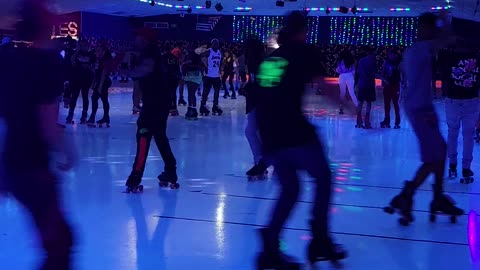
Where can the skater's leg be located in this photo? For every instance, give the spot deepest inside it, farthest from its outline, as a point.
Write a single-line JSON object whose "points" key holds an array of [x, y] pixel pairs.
{"points": [[163, 144], [144, 137], [207, 86], [73, 101], [253, 138], [95, 97], [192, 89], [36, 190], [85, 90], [342, 83], [230, 82], [351, 88], [105, 102], [172, 86], [359, 114], [137, 95], [289, 193], [367, 114], [453, 112], [224, 82], [387, 98], [469, 119], [181, 88], [217, 84], [396, 105]]}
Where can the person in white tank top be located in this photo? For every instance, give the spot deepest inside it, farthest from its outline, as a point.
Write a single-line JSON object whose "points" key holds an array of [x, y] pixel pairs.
{"points": [[212, 79]]}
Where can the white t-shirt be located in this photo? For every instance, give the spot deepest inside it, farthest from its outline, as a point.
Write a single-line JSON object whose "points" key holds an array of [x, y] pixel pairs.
{"points": [[214, 60]]}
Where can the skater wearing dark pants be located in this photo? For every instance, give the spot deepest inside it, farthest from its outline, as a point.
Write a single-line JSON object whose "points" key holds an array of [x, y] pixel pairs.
{"points": [[29, 177], [365, 82], [228, 72], [192, 69], [462, 106], [255, 52], [290, 142], [173, 76], [391, 88], [418, 66], [104, 66], [152, 122], [82, 78], [68, 52], [212, 79], [137, 92]]}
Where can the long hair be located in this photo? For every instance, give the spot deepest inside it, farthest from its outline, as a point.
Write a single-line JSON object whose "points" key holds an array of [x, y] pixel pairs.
{"points": [[347, 58]]}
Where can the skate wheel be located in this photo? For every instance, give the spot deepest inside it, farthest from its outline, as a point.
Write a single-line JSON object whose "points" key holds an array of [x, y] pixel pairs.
{"points": [[140, 188], [403, 221], [389, 210], [163, 184], [433, 218], [453, 219], [175, 186]]}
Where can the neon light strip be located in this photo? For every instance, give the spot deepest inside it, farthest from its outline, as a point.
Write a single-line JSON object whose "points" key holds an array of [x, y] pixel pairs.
{"points": [[332, 9], [193, 7], [440, 8], [400, 9]]}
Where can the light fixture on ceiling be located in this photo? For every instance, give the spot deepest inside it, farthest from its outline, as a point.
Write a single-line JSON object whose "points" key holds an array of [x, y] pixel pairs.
{"points": [[208, 4], [354, 10], [152, 3], [343, 10], [280, 3], [327, 10], [219, 7]]}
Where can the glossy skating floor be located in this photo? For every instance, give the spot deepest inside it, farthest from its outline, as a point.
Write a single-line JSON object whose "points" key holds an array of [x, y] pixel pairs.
{"points": [[211, 221]]}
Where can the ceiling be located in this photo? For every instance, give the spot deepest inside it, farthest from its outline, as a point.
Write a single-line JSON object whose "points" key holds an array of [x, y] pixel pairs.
{"points": [[461, 8]]}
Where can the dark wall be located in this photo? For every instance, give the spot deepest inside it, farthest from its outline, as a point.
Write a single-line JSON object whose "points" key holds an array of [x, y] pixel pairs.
{"points": [[106, 26], [185, 28]]}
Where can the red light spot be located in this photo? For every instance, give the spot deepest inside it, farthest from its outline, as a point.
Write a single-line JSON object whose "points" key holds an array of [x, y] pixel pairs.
{"points": [[341, 178], [338, 190]]}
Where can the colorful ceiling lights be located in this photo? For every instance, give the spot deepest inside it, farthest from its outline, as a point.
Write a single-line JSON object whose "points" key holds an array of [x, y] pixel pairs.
{"points": [[331, 9], [400, 9]]}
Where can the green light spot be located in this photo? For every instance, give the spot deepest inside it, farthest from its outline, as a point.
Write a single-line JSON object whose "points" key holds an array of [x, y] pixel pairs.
{"points": [[355, 177], [354, 189], [271, 72], [283, 246]]}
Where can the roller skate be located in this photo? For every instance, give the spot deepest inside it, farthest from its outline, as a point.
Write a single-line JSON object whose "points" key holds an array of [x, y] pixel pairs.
{"points": [[199, 92], [403, 203], [226, 95], [133, 183], [174, 112], [83, 119], [467, 176], [66, 103], [452, 171], [234, 95], [135, 110], [444, 205], [182, 102], [168, 179], [272, 258], [104, 121], [204, 111], [258, 171], [385, 124], [69, 120], [191, 114], [91, 122], [322, 248], [397, 124], [216, 110], [359, 121], [368, 125]]}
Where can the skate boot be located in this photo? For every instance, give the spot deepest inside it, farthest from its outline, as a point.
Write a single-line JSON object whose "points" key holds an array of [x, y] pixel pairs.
{"points": [[452, 171], [204, 111], [385, 124], [91, 122], [322, 248], [191, 114], [234, 95], [359, 121], [271, 258], [136, 110], [174, 112], [168, 179], [216, 110], [368, 125], [83, 119], [104, 121], [258, 171], [397, 124], [69, 120], [66, 103], [403, 203], [467, 176], [133, 183], [182, 102], [443, 204], [226, 95]]}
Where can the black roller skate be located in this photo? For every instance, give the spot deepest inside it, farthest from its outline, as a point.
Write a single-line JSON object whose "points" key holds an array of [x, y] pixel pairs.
{"points": [[385, 124], [133, 183], [174, 112], [359, 121], [467, 176], [182, 102], [216, 110], [397, 124], [452, 171], [191, 114], [403, 203], [199, 92], [444, 205], [83, 119], [258, 171], [104, 121], [168, 179], [91, 122], [204, 111], [322, 248], [234, 95], [368, 125], [69, 120], [272, 258]]}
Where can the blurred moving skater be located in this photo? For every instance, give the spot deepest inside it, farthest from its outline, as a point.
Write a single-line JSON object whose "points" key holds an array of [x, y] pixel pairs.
{"points": [[292, 144], [32, 132]]}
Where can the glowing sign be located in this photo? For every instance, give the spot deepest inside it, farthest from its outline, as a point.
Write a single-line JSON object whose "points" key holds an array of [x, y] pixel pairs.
{"points": [[65, 30]]}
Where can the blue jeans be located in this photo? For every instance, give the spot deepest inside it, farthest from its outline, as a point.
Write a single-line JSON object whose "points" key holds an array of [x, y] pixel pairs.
{"points": [[253, 137], [310, 158], [462, 113]]}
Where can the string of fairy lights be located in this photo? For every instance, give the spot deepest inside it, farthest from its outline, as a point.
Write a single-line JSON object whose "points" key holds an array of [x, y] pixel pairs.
{"points": [[392, 31]]}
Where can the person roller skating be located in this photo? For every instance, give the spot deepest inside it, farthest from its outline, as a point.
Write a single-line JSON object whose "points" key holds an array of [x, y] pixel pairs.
{"points": [[418, 67], [365, 83], [290, 141], [212, 78], [258, 171], [192, 69], [391, 78], [152, 122]]}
